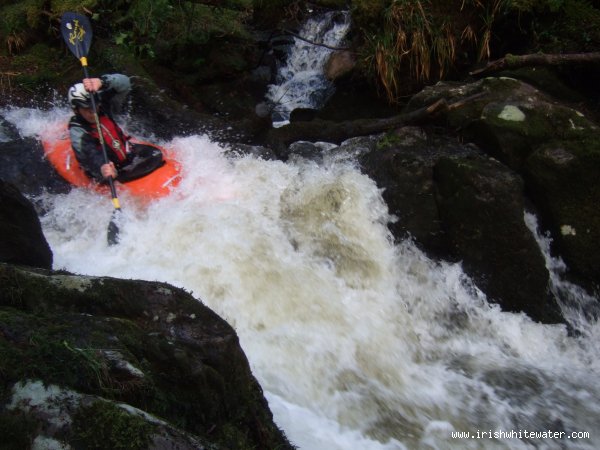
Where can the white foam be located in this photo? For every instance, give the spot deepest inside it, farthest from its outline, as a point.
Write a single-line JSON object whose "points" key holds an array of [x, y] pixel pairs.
{"points": [[359, 343]]}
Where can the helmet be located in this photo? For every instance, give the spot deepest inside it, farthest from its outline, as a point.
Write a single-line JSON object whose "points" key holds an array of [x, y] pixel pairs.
{"points": [[79, 97]]}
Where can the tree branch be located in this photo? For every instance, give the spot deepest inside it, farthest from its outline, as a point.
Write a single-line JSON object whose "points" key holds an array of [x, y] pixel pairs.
{"points": [[336, 132], [537, 59], [296, 35]]}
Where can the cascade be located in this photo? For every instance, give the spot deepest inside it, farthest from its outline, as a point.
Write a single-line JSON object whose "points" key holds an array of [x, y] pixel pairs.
{"points": [[301, 82]]}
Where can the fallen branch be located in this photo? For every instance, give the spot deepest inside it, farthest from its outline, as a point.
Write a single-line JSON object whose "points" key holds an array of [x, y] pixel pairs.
{"points": [[296, 35], [336, 132], [537, 59], [460, 103]]}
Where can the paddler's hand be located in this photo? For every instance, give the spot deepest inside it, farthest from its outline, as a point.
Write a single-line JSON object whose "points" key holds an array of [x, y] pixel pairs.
{"points": [[92, 84], [108, 170]]}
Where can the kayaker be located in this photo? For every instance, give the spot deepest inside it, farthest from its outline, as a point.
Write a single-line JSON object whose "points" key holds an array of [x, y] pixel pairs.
{"points": [[128, 161]]}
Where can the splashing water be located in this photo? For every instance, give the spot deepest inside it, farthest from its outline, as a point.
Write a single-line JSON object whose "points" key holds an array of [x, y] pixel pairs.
{"points": [[579, 308], [357, 342]]}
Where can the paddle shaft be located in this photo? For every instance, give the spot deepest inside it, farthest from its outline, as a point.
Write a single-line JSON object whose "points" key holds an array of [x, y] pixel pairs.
{"points": [[113, 190]]}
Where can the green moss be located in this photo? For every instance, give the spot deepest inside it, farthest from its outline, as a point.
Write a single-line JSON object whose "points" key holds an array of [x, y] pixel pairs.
{"points": [[46, 349], [39, 65], [104, 425], [538, 122], [547, 80], [58, 329], [511, 59], [389, 140], [17, 17], [12, 20]]}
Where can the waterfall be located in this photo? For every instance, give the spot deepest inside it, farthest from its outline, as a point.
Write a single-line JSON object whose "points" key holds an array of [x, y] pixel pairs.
{"points": [[301, 82], [357, 341]]}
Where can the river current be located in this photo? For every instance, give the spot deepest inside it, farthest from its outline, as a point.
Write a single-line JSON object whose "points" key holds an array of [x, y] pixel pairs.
{"points": [[359, 343]]}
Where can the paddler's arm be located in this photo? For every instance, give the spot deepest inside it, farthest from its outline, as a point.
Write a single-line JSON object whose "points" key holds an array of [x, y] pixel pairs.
{"points": [[85, 147], [113, 91]]}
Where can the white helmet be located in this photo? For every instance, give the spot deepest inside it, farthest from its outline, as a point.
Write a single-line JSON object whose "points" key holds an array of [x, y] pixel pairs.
{"points": [[79, 97]]}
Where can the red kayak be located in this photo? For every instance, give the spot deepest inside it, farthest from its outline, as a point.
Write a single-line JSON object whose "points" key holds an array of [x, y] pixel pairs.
{"points": [[159, 183]]}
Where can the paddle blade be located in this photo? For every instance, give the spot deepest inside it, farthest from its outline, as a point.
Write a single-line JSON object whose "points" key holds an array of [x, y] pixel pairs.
{"points": [[113, 230], [77, 33]]}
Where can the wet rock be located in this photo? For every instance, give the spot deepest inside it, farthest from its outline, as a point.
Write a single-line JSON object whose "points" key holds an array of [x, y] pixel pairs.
{"points": [[481, 206], [107, 363], [552, 146], [21, 238], [339, 64], [563, 179], [402, 165], [22, 163], [67, 417], [458, 204]]}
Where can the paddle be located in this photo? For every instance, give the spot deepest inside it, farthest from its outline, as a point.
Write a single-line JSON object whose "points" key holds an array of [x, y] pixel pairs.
{"points": [[77, 33]]}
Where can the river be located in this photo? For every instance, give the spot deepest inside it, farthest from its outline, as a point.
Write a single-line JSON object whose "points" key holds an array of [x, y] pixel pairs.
{"points": [[358, 343]]}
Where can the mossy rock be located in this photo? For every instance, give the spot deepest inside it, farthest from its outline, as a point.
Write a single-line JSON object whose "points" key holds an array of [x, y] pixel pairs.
{"points": [[552, 146], [147, 345], [549, 80], [481, 205], [509, 119], [105, 425], [50, 416], [563, 181]]}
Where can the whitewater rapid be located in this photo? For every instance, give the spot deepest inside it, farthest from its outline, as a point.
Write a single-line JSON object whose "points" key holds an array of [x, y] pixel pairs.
{"points": [[358, 343]]}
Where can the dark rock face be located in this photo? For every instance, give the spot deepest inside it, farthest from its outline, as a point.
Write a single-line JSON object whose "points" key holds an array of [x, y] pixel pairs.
{"points": [[553, 147], [21, 237], [228, 116], [101, 356], [459, 204], [481, 207], [22, 163], [402, 164], [563, 178]]}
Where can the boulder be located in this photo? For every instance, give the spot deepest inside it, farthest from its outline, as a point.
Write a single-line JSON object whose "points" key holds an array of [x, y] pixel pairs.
{"points": [[89, 362], [553, 147], [458, 204], [481, 206], [563, 179], [402, 165], [21, 238], [22, 163], [339, 64]]}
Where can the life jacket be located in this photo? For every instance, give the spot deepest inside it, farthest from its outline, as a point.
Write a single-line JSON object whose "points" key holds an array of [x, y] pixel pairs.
{"points": [[114, 138]]}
